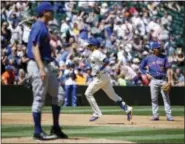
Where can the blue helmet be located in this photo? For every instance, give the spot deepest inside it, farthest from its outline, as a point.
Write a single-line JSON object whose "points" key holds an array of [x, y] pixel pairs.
{"points": [[155, 45], [94, 42], [44, 6]]}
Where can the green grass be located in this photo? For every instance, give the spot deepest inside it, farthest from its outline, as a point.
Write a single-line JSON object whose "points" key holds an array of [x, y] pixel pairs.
{"points": [[141, 135], [111, 110]]}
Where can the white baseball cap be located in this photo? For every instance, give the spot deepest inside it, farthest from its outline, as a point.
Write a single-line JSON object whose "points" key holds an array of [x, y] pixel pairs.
{"points": [[67, 18], [179, 52], [145, 53], [135, 60], [104, 5]]}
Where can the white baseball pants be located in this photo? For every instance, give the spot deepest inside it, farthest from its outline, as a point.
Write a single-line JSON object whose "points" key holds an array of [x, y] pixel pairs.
{"points": [[100, 82]]}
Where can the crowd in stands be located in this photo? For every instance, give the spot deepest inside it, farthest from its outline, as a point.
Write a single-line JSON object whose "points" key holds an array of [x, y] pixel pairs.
{"points": [[124, 28]]}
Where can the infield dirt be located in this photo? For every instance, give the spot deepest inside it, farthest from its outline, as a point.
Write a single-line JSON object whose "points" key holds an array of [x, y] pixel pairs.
{"points": [[82, 120], [105, 120]]}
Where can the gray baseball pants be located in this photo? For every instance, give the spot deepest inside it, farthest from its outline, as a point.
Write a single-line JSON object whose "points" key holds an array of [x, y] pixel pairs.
{"points": [[155, 88], [41, 88]]}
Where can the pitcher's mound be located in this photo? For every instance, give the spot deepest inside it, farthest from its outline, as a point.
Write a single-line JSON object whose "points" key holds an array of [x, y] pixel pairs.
{"points": [[70, 140]]}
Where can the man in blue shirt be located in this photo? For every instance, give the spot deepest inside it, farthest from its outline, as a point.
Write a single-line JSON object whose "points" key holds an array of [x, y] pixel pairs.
{"points": [[157, 67], [43, 75]]}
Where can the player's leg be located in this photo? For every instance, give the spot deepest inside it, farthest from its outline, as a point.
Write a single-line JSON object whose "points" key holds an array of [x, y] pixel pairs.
{"points": [[154, 91], [167, 105], [108, 89], [57, 94], [93, 87], [39, 88]]}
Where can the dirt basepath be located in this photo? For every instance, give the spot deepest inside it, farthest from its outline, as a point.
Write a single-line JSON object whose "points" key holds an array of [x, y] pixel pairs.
{"points": [[105, 120], [71, 140], [83, 120]]}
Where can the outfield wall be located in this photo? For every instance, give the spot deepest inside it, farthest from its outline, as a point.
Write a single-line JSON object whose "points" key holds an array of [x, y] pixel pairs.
{"points": [[22, 96]]}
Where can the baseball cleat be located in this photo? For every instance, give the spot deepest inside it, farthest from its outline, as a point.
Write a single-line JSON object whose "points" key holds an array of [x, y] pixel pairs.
{"points": [[58, 133], [155, 118], [93, 118], [169, 118], [129, 112], [43, 136]]}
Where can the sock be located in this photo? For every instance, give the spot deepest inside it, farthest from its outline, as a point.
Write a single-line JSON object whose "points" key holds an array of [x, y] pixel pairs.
{"points": [[122, 105], [56, 113], [37, 122]]}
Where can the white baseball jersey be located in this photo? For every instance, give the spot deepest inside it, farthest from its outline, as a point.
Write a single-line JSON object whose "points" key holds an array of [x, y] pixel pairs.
{"points": [[103, 82], [96, 60]]}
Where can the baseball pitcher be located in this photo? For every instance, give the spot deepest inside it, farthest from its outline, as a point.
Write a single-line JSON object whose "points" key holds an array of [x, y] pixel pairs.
{"points": [[43, 75], [101, 81], [158, 68]]}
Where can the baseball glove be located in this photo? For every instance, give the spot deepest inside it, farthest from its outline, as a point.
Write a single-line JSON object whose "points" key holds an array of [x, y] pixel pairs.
{"points": [[166, 87]]}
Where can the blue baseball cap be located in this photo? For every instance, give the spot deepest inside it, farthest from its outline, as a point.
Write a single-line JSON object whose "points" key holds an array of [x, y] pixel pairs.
{"points": [[94, 42], [154, 45], [44, 6], [88, 68], [9, 67]]}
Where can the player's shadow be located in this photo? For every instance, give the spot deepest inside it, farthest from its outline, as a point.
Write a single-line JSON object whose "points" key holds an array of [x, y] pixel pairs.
{"points": [[113, 123], [74, 138]]}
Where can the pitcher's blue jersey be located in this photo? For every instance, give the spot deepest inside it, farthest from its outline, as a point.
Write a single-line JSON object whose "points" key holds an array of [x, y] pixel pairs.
{"points": [[39, 35], [157, 65]]}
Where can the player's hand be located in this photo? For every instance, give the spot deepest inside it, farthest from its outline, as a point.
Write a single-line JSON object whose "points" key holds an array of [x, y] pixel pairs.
{"points": [[42, 74]]}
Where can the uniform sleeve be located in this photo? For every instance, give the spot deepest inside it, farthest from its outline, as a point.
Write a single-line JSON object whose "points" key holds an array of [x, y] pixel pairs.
{"points": [[142, 66], [167, 64], [36, 35]]}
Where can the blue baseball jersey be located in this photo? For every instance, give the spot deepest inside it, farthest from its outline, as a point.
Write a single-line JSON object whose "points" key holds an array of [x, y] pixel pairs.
{"points": [[39, 35], [157, 65]]}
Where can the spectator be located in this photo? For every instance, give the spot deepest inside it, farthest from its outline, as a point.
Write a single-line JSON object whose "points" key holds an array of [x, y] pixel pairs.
{"points": [[122, 81], [21, 77], [26, 24], [13, 58], [163, 33], [75, 30], [124, 29], [135, 65], [8, 77], [179, 77], [5, 34], [180, 58], [104, 8], [4, 60], [166, 19], [80, 77], [65, 27], [70, 86], [137, 44]]}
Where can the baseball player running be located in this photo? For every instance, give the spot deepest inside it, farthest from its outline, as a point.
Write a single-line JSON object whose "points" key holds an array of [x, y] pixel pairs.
{"points": [[101, 81], [43, 77], [158, 67]]}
